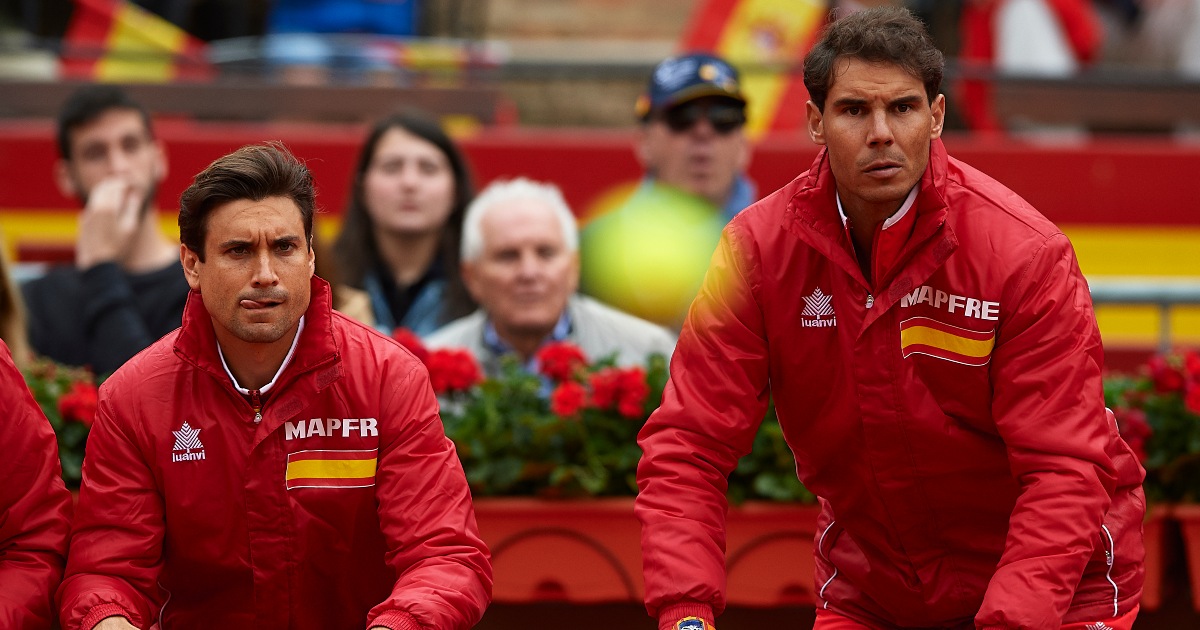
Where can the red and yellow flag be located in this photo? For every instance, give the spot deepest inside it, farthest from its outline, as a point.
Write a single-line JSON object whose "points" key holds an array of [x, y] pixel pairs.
{"points": [[118, 41], [922, 335], [766, 40], [331, 469]]}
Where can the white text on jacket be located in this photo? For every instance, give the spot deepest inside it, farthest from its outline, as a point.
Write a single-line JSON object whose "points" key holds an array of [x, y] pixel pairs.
{"points": [[968, 306], [330, 427]]}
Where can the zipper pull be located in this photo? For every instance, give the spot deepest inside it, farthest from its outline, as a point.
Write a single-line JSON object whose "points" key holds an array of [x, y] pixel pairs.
{"points": [[870, 300], [256, 403]]}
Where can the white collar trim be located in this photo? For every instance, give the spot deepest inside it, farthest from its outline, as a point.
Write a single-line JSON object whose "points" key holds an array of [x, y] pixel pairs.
{"points": [[286, 360], [892, 220]]}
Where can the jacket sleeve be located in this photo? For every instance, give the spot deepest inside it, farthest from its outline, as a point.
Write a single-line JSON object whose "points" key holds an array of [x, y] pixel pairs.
{"points": [[1048, 406], [34, 507], [113, 329], [116, 542], [711, 409], [426, 515]]}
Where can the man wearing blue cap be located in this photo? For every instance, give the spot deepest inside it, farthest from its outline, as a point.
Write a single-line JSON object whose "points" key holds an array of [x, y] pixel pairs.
{"points": [[693, 146], [693, 131]]}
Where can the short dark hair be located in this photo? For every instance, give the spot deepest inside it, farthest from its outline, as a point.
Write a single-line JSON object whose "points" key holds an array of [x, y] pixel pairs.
{"points": [[254, 172], [884, 34], [89, 103]]}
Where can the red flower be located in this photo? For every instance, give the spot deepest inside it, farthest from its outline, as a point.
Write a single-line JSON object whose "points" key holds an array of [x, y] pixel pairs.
{"points": [[605, 387], [1165, 376], [1191, 364], [411, 342], [1192, 399], [79, 403], [560, 361], [1134, 429], [626, 389], [568, 399], [633, 393], [452, 370]]}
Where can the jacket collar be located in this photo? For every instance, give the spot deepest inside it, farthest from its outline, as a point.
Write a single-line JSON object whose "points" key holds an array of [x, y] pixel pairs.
{"points": [[197, 341], [812, 213]]}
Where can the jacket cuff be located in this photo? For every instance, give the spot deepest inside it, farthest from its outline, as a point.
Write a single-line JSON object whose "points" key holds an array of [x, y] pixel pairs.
{"points": [[101, 612], [669, 616], [396, 620]]}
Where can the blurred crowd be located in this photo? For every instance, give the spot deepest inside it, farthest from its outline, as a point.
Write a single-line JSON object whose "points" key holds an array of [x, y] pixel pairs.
{"points": [[506, 269]]}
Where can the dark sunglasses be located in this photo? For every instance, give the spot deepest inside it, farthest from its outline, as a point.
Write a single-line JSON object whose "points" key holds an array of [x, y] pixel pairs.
{"points": [[724, 117]]}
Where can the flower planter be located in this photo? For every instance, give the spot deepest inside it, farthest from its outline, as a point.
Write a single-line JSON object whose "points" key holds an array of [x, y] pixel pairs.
{"points": [[1188, 516], [589, 551], [1152, 534]]}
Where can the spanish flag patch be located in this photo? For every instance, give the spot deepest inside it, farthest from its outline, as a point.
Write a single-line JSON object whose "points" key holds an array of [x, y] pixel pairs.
{"points": [[331, 469], [921, 335]]}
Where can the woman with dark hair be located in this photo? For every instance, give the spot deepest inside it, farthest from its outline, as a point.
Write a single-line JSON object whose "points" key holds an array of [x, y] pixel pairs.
{"points": [[401, 231]]}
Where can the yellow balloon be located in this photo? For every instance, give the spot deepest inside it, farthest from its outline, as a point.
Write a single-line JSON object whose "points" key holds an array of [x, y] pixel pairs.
{"points": [[648, 256]]}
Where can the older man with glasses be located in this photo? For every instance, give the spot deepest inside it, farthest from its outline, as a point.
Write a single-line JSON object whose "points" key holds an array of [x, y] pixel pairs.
{"points": [[693, 147]]}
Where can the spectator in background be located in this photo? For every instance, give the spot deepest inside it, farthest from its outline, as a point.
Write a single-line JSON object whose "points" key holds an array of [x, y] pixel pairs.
{"points": [[400, 234], [692, 135], [693, 147], [1041, 38], [271, 464], [35, 507], [313, 41], [126, 288], [520, 262], [12, 315]]}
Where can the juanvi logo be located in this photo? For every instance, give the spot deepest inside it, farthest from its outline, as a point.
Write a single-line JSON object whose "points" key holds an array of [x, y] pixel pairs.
{"points": [[187, 444], [818, 311]]}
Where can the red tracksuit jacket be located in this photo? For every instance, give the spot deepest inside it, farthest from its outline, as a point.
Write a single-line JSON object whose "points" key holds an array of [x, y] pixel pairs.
{"points": [[950, 415], [35, 506], [345, 507]]}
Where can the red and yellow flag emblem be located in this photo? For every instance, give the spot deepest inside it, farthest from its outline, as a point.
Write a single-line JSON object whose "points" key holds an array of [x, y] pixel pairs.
{"points": [[921, 335], [118, 41], [331, 469]]}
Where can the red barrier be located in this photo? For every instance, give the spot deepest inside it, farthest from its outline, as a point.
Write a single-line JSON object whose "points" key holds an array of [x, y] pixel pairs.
{"points": [[1100, 182]]}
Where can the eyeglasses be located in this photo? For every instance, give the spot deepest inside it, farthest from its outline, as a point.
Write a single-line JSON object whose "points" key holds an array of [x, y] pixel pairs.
{"points": [[724, 117]]}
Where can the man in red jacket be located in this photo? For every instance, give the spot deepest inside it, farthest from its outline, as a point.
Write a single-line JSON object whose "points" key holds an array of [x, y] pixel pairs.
{"points": [[272, 463], [34, 507], [930, 346]]}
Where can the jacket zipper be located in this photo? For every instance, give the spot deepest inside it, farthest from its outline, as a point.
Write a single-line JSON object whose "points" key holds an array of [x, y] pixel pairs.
{"points": [[821, 550], [256, 404], [1110, 553], [870, 300]]}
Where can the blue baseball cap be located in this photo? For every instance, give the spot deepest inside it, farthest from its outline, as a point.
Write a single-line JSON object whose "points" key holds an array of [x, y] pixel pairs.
{"points": [[686, 77]]}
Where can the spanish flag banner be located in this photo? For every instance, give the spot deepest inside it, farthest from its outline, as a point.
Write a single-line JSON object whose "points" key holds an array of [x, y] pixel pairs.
{"points": [[766, 40], [331, 469], [922, 335], [118, 41]]}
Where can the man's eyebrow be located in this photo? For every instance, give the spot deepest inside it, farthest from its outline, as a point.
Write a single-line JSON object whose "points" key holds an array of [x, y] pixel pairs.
{"points": [[907, 99], [847, 101], [851, 101], [290, 239], [233, 242]]}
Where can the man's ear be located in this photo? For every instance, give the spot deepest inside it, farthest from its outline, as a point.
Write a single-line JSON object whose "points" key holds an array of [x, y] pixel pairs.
{"points": [[191, 266], [645, 155], [938, 110], [64, 180], [816, 123], [574, 273], [160, 162], [470, 276]]}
